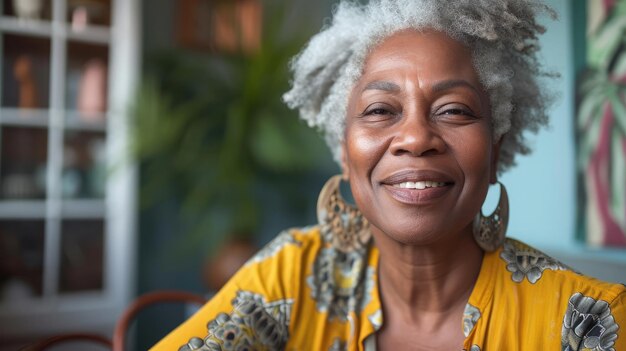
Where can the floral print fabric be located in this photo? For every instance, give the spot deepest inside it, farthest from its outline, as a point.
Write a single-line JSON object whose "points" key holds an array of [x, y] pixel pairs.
{"points": [[301, 293], [588, 325], [470, 317], [254, 324], [340, 283], [525, 262]]}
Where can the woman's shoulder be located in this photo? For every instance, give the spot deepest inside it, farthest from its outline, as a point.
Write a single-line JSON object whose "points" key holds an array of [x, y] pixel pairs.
{"points": [[535, 272], [526, 264], [255, 308], [545, 302]]}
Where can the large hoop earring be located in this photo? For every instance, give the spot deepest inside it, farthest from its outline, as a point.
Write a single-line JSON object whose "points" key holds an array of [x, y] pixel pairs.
{"points": [[490, 231], [347, 227]]}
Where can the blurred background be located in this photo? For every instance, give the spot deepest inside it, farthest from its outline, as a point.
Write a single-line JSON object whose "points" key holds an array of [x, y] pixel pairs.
{"points": [[144, 147]]}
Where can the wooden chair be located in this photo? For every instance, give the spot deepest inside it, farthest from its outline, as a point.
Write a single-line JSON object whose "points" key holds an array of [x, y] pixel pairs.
{"points": [[67, 338], [144, 301]]}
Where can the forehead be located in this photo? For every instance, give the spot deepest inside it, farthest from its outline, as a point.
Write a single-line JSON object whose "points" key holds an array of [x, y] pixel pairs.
{"points": [[428, 54]]}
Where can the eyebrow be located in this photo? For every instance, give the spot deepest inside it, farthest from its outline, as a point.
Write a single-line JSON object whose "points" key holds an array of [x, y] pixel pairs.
{"points": [[437, 87], [453, 83], [382, 85]]}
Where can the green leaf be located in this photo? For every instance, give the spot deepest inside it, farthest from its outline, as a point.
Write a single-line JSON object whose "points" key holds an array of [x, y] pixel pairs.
{"points": [[619, 111], [588, 142], [602, 48], [590, 106], [618, 178]]}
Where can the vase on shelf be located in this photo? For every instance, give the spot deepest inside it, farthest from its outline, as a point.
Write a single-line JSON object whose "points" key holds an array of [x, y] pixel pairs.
{"points": [[85, 13], [92, 91], [27, 87], [28, 9]]}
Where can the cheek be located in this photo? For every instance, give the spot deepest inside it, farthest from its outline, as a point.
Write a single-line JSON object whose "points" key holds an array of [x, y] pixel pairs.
{"points": [[474, 154], [363, 150]]}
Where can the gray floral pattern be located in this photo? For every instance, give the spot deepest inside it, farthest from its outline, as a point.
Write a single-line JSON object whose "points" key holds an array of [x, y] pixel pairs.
{"points": [[338, 345], [341, 282], [525, 262], [376, 319], [471, 315], [254, 324], [283, 239], [588, 324], [193, 344]]}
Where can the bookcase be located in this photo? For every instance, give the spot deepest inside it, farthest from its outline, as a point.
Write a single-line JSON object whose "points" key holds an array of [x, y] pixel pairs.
{"points": [[67, 188]]}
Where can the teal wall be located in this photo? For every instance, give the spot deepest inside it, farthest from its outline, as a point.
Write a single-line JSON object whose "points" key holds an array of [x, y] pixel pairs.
{"points": [[542, 188]]}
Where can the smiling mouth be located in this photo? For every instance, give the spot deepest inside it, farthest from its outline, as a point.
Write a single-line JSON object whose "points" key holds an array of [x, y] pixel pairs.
{"points": [[420, 185]]}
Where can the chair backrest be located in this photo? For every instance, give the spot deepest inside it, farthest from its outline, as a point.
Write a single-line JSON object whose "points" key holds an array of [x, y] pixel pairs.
{"points": [[67, 338], [144, 301]]}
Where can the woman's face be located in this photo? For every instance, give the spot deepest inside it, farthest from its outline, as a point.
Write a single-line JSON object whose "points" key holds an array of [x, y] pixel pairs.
{"points": [[418, 146]]}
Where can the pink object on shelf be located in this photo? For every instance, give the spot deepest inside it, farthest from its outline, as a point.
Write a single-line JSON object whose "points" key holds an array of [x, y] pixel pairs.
{"points": [[80, 18], [92, 91]]}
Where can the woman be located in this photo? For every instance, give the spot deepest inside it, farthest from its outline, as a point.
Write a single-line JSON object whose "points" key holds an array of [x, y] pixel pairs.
{"points": [[423, 103]]}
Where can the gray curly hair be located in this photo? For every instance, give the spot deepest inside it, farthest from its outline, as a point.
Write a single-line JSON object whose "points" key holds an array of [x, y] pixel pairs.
{"points": [[502, 35]]}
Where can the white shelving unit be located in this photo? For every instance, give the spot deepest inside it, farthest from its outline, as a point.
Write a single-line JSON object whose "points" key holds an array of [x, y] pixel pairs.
{"points": [[60, 231]]}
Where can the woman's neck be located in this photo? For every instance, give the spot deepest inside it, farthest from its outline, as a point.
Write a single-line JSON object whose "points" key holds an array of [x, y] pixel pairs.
{"points": [[425, 283]]}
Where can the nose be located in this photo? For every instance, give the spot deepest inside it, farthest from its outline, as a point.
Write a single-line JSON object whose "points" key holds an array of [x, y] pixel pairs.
{"points": [[417, 136]]}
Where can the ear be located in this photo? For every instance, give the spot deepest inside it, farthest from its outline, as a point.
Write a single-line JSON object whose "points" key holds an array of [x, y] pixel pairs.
{"points": [[495, 156], [345, 172]]}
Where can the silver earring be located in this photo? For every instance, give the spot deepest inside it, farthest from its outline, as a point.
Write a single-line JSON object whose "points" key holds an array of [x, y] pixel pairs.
{"points": [[347, 227], [490, 231]]}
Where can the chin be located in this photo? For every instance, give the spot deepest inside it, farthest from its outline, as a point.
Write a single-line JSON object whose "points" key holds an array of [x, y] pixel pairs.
{"points": [[416, 230], [412, 233]]}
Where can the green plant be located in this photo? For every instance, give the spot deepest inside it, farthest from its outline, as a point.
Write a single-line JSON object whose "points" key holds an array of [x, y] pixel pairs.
{"points": [[210, 130]]}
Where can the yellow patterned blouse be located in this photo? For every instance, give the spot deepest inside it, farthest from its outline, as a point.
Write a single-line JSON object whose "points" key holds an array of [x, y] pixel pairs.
{"points": [[300, 293]]}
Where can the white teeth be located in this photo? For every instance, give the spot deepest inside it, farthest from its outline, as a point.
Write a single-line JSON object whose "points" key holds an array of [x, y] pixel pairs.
{"points": [[419, 185]]}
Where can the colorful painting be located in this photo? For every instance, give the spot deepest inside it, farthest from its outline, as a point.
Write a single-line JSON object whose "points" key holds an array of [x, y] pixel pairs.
{"points": [[601, 125]]}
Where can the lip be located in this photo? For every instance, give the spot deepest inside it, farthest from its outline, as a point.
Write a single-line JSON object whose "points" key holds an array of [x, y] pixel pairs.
{"points": [[416, 176], [417, 196]]}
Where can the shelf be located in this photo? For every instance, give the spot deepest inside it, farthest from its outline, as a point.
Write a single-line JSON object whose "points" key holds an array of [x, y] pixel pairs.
{"points": [[79, 209], [95, 123], [18, 117], [66, 227], [38, 28], [22, 209], [70, 301], [36, 209], [91, 34], [84, 311]]}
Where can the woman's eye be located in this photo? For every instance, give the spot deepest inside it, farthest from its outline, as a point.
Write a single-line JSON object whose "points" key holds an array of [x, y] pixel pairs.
{"points": [[456, 111], [378, 110]]}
